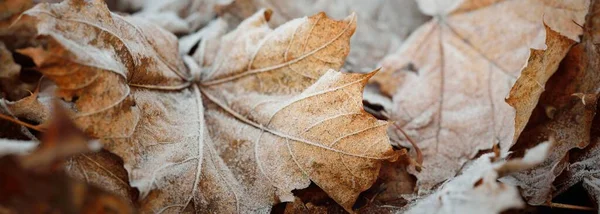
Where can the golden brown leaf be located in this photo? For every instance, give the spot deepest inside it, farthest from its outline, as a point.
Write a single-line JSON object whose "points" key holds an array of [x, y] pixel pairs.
{"points": [[452, 75], [528, 88], [565, 111]]}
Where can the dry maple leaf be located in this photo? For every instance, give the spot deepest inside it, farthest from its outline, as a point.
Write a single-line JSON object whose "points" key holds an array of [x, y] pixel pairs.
{"points": [[272, 105], [449, 79], [477, 190], [383, 24], [568, 107]]}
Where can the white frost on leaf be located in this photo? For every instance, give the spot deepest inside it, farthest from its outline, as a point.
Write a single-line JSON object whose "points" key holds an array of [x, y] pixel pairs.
{"points": [[477, 190]]}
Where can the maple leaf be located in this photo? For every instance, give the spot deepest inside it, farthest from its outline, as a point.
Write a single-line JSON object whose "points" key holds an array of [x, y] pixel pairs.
{"points": [[477, 190], [565, 110], [450, 77], [259, 124], [384, 24]]}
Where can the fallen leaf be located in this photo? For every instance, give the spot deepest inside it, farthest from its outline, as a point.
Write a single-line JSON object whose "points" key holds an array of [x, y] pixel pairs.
{"points": [[452, 74], [383, 24], [477, 190], [528, 88], [271, 100], [104, 170], [569, 106]]}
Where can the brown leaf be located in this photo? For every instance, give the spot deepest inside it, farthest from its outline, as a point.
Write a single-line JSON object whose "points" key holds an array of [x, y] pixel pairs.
{"points": [[541, 65], [569, 104], [25, 191], [104, 170], [384, 24], [271, 102], [37, 183], [583, 166], [452, 74]]}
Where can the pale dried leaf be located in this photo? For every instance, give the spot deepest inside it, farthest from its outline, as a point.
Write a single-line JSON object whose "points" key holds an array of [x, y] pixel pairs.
{"points": [[452, 77], [159, 134], [477, 190]]}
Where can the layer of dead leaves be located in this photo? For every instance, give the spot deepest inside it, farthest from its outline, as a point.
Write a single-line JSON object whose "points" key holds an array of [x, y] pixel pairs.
{"points": [[246, 106]]}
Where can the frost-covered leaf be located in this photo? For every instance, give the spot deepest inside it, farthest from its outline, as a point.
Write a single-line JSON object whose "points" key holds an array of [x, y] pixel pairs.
{"points": [[259, 124], [450, 78]]}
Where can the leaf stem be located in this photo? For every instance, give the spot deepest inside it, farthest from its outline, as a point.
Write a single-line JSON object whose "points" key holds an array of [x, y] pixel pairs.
{"points": [[410, 140]]}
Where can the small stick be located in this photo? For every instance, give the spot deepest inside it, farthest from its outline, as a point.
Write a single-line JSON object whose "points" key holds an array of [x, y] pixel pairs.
{"points": [[569, 206], [11, 119]]}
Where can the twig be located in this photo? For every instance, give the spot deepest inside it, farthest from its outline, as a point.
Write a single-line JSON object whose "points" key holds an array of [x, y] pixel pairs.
{"points": [[11, 119], [568, 206]]}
